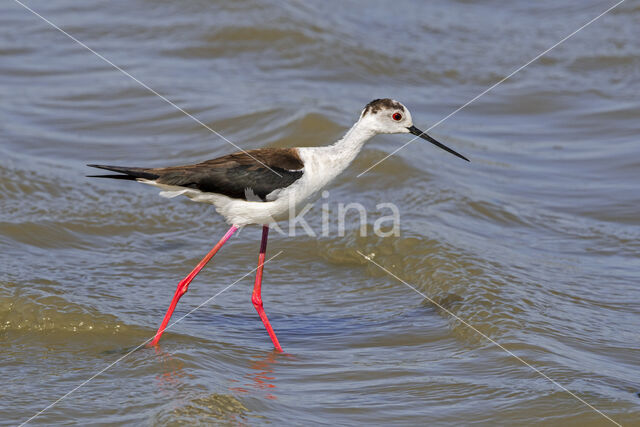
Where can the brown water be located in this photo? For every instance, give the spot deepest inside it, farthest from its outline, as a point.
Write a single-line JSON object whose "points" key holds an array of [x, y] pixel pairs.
{"points": [[535, 242]]}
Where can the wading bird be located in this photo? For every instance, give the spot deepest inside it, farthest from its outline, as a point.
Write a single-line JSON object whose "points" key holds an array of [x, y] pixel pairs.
{"points": [[260, 186]]}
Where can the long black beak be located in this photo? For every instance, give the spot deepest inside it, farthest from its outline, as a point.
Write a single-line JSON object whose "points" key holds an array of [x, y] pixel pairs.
{"points": [[414, 130]]}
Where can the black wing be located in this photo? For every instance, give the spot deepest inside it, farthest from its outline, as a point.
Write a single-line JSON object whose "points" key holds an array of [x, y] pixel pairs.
{"points": [[230, 175]]}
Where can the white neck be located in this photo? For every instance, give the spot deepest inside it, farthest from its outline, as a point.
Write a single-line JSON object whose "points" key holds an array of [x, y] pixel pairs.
{"points": [[345, 150], [323, 164]]}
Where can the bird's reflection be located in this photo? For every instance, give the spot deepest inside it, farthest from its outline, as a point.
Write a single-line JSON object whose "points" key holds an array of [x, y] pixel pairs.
{"points": [[260, 376], [172, 375]]}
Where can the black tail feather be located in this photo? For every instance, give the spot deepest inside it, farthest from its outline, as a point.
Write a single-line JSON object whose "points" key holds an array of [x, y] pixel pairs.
{"points": [[129, 173]]}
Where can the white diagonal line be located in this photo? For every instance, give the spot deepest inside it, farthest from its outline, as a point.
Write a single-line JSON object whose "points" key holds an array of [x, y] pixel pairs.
{"points": [[144, 85], [449, 312], [494, 85], [142, 344]]}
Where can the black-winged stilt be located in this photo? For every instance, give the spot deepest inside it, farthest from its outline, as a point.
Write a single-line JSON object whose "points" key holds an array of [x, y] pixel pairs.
{"points": [[261, 186]]}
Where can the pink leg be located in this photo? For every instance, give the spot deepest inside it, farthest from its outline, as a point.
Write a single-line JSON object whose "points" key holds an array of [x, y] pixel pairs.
{"points": [[256, 297], [183, 286]]}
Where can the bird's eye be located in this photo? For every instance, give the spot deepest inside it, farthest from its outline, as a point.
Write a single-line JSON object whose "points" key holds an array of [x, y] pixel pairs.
{"points": [[397, 117]]}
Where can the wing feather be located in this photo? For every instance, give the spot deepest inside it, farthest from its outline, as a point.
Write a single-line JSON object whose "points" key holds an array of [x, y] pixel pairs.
{"points": [[233, 174]]}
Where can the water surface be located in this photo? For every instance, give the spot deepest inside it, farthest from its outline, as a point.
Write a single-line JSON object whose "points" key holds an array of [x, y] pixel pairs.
{"points": [[535, 242]]}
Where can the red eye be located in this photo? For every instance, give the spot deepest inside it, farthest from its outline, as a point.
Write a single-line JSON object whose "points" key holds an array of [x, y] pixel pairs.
{"points": [[397, 117]]}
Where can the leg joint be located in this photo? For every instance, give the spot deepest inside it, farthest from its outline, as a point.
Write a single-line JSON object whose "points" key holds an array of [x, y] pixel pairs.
{"points": [[183, 287], [256, 300]]}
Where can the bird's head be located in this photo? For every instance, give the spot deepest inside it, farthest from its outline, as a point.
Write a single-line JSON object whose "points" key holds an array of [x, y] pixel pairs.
{"points": [[390, 116]]}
